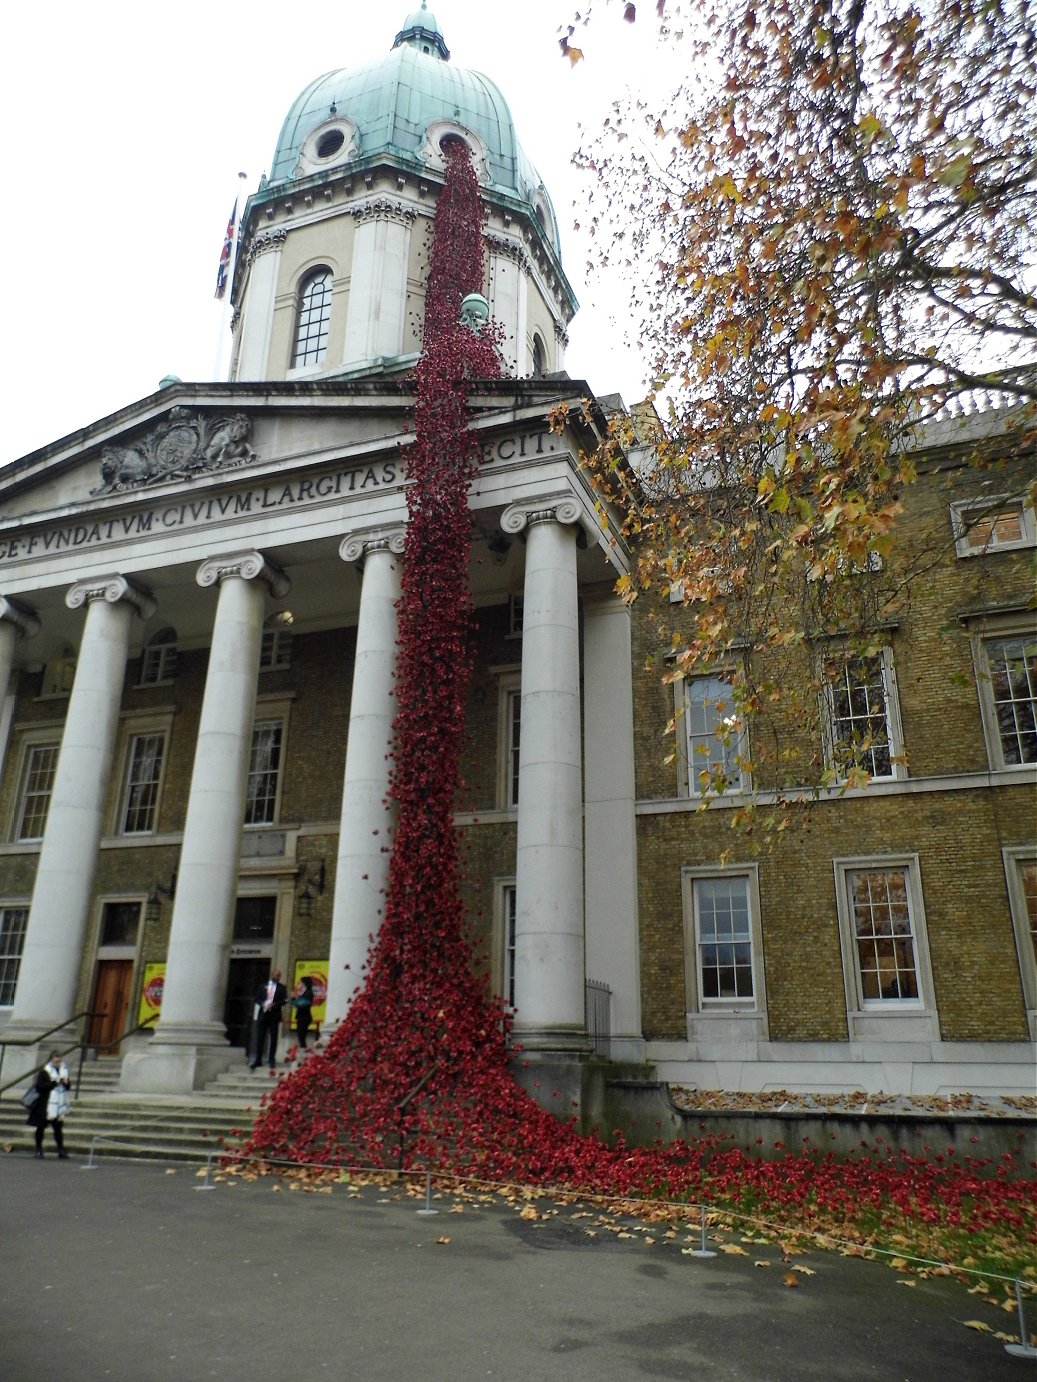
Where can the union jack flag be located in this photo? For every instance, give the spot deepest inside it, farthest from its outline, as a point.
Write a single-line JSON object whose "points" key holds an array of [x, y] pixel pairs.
{"points": [[223, 271]]}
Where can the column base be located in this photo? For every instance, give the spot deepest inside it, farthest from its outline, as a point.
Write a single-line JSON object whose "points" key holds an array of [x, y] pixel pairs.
{"points": [[568, 1085], [177, 1063], [569, 1042]]}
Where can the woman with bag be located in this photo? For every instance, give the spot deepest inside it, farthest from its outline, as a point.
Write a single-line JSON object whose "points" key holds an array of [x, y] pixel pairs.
{"points": [[51, 1103], [302, 1002]]}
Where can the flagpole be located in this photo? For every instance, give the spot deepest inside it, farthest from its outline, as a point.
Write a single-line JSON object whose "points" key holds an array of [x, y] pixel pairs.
{"points": [[225, 279]]}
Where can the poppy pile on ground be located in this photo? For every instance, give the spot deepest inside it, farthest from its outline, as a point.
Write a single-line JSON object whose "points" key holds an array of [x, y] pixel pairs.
{"points": [[419, 1075]]}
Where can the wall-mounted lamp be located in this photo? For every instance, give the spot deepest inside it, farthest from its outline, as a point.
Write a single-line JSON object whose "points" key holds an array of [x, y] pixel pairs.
{"points": [[304, 900], [153, 905], [500, 546]]}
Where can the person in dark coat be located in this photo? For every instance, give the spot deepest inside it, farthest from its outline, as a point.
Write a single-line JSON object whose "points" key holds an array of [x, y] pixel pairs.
{"points": [[302, 1002], [52, 1103], [270, 1001]]}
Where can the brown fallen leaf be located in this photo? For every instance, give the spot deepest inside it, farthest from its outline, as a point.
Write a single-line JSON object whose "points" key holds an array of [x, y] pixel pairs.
{"points": [[908, 1281], [442, 1238], [761, 1264], [733, 1249], [790, 1279]]}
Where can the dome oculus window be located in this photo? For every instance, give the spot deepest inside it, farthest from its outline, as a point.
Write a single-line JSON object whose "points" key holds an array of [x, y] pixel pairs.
{"points": [[330, 143], [314, 315]]}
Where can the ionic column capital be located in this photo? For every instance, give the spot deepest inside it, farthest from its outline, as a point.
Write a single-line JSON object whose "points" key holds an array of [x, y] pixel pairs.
{"points": [[249, 566], [357, 546], [553, 508], [114, 590], [22, 619]]}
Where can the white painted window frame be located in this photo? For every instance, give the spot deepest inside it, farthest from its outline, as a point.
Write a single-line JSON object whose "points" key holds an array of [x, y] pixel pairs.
{"points": [[1014, 856], [267, 711], [856, 1003], [688, 784], [39, 736], [697, 1006], [15, 906], [891, 706], [502, 967], [995, 630], [509, 693], [991, 506]]}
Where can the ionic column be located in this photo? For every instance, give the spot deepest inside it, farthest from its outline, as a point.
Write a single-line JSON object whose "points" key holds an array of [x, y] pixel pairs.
{"points": [[252, 355], [49, 973], [16, 621], [610, 827], [190, 1044], [549, 946], [362, 870]]}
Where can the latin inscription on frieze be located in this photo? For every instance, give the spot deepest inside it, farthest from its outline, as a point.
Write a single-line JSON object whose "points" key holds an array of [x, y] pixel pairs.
{"points": [[299, 491]]}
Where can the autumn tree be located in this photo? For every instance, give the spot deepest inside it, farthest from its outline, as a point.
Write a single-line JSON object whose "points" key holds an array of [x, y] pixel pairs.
{"points": [[837, 210]]}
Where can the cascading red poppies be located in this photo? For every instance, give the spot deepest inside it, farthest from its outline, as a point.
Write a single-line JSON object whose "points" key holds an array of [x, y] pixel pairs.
{"points": [[418, 1074]]}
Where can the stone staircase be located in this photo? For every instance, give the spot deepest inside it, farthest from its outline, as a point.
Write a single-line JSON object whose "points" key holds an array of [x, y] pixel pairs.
{"points": [[184, 1128]]}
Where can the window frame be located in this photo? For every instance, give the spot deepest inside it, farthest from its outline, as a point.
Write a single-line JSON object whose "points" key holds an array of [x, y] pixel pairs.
{"points": [[137, 734], [269, 712], [30, 741], [697, 1004], [163, 656], [856, 1002], [999, 631], [509, 708], [991, 507], [502, 969], [1023, 925], [9, 957], [891, 713], [303, 354], [688, 784]]}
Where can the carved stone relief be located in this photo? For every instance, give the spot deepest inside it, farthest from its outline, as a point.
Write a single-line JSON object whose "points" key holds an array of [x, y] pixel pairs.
{"points": [[184, 445]]}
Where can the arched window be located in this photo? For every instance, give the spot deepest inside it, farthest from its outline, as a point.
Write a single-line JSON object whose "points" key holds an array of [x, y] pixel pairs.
{"points": [[59, 672], [539, 358], [158, 660], [311, 327], [276, 650]]}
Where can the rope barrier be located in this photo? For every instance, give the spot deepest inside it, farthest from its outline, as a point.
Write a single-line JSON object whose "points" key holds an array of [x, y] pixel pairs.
{"points": [[616, 1205]]}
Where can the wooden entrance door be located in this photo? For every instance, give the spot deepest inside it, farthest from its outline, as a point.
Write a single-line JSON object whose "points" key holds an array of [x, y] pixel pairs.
{"points": [[111, 1000]]}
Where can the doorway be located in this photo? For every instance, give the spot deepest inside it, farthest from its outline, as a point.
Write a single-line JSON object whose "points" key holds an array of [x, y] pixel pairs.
{"points": [[111, 1004], [251, 948]]}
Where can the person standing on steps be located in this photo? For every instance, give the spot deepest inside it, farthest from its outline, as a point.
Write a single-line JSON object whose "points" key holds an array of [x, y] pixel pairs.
{"points": [[270, 1001], [52, 1103], [302, 1002]]}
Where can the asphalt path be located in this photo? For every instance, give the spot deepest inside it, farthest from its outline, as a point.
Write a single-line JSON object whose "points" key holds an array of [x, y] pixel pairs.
{"points": [[136, 1272]]}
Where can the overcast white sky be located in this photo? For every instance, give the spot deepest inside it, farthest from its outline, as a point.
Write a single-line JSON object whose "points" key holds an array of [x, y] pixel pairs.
{"points": [[127, 124]]}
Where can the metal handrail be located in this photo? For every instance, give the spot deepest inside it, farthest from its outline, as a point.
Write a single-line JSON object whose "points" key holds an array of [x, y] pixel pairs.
{"points": [[34, 1041], [81, 1046]]}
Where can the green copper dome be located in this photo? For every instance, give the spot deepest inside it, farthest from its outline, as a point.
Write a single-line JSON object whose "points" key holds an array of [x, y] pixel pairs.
{"points": [[392, 101]]}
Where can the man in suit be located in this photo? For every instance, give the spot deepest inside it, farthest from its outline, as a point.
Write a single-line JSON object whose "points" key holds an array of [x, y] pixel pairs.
{"points": [[270, 1000]]}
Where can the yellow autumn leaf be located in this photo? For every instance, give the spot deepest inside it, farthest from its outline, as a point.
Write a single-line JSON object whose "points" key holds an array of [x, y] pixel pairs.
{"points": [[980, 1325]]}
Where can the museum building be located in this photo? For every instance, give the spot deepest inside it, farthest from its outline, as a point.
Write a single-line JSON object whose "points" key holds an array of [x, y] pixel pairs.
{"points": [[198, 632]]}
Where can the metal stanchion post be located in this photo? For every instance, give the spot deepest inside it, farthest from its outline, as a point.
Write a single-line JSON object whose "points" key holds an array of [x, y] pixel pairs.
{"points": [[703, 1251], [428, 1196], [1023, 1349], [90, 1159], [207, 1185]]}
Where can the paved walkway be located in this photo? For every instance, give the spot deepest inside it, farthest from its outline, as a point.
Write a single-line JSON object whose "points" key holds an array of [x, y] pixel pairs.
{"points": [[134, 1273]]}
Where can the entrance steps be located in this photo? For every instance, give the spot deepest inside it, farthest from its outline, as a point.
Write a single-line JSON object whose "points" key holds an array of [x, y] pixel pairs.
{"points": [[185, 1127]]}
